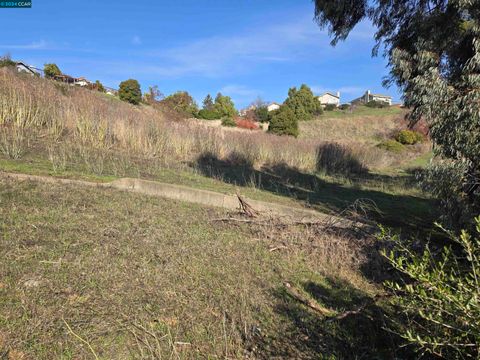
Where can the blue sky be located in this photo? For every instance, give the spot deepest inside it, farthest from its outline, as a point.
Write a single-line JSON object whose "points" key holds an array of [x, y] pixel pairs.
{"points": [[242, 48]]}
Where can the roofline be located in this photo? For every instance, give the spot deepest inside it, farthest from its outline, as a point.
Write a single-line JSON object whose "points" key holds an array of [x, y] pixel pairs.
{"points": [[329, 93]]}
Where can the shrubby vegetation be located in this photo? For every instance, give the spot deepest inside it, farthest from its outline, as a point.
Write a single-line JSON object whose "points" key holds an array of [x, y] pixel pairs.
{"points": [[303, 103], [129, 91], [6, 60], [224, 106], [409, 137], [440, 297], [433, 52], [51, 70], [262, 114], [444, 180], [99, 86], [181, 102], [330, 107], [284, 122], [391, 145], [228, 121], [153, 95]]}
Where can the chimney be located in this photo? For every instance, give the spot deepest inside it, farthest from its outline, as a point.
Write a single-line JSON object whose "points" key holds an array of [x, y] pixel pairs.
{"points": [[338, 94]]}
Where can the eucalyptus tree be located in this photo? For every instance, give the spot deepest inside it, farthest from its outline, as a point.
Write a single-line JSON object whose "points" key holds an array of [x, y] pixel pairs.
{"points": [[433, 51]]}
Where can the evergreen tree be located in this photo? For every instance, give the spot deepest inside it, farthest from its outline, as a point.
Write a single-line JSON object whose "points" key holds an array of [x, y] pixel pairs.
{"points": [[433, 49], [284, 122], [303, 103], [224, 106], [208, 102]]}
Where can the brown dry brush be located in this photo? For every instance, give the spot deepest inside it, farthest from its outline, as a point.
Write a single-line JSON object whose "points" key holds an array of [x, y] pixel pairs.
{"points": [[53, 112]]}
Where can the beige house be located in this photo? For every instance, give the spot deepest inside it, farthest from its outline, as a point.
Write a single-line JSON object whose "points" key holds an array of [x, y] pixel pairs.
{"points": [[368, 96], [329, 99], [81, 81], [273, 106]]}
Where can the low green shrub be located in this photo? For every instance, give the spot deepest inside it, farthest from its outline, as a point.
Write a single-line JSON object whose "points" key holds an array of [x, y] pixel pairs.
{"points": [[409, 137], [284, 122], [330, 107], [345, 107], [391, 145], [439, 295], [228, 121], [207, 114], [6, 60], [262, 114]]}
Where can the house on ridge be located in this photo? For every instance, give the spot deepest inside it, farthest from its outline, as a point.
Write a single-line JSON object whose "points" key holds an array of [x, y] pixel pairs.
{"points": [[329, 99], [24, 68], [273, 106], [368, 96]]}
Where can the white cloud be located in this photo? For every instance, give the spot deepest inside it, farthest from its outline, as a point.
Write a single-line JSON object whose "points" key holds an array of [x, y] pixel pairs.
{"points": [[223, 55], [136, 40], [38, 45]]}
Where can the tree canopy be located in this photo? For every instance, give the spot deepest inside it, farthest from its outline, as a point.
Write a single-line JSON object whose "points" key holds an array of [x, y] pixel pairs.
{"points": [[181, 102], [224, 106], [130, 91], [433, 49], [51, 70], [284, 122], [303, 103]]}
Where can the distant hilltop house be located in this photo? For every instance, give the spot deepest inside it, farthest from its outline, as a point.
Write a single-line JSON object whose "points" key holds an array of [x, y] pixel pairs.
{"points": [[243, 112], [329, 99], [81, 81], [24, 68], [110, 91], [273, 106], [368, 96]]}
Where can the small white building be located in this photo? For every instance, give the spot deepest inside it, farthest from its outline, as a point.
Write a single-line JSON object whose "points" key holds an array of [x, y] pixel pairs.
{"points": [[273, 106], [81, 81], [24, 68], [368, 96], [329, 99]]}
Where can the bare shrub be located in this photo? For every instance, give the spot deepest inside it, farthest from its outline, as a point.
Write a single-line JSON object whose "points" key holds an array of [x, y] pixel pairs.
{"points": [[13, 142], [334, 158]]}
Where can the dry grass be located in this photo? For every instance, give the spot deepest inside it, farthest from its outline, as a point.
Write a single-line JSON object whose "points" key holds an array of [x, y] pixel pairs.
{"points": [[54, 113], [91, 272]]}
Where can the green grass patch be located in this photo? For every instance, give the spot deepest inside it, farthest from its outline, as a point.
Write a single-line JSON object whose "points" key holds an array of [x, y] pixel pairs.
{"points": [[136, 276]]}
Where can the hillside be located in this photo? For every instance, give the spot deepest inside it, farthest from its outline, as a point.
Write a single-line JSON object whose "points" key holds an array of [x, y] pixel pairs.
{"points": [[137, 276]]}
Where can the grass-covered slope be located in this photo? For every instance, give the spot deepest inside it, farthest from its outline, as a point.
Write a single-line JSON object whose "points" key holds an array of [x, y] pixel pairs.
{"points": [[95, 272]]}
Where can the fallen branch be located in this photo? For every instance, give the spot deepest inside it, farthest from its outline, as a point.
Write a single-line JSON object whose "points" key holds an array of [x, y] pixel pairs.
{"points": [[308, 302], [246, 208]]}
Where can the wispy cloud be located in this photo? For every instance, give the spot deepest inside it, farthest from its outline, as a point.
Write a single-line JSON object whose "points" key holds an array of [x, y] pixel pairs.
{"points": [[240, 94], [220, 55], [38, 45]]}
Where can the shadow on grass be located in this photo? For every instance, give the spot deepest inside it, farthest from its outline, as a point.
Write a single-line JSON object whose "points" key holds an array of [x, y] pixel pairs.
{"points": [[306, 334], [405, 212]]}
